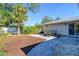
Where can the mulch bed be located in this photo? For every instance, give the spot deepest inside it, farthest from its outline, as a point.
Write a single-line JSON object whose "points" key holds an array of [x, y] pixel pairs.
{"points": [[13, 44]]}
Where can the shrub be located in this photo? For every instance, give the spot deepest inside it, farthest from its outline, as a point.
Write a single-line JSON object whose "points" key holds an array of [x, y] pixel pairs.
{"points": [[1, 46], [29, 30], [7, 34], [1, 42]]}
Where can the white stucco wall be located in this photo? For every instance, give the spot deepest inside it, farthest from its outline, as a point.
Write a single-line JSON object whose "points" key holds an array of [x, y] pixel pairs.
{"points": [[12, 30], [5, 29], [60, 28]]}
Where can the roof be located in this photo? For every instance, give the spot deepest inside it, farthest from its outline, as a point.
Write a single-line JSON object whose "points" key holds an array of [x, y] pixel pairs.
{"points": [[10, 25], [63, 20], [13, 25]]}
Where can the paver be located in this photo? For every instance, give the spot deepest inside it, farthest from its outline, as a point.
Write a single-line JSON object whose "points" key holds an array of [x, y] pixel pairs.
{"points": [[13, 44]]}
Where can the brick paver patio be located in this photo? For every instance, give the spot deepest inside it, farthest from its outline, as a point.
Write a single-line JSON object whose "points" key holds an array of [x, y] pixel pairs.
{"points": [[13, 44]]}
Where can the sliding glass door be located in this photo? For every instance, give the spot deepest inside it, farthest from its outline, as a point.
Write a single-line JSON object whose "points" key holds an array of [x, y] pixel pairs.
{"points": [[77, 29], [74, 29], [71, 29]]}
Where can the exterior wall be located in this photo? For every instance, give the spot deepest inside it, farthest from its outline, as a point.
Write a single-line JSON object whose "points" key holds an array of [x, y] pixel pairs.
{"points": [[12, 30], [5, 29], [60, 28]]}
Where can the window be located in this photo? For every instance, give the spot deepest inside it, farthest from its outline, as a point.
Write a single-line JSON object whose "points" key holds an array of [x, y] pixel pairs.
{"points": [[46, 25], [77, 29], [71, 29]]}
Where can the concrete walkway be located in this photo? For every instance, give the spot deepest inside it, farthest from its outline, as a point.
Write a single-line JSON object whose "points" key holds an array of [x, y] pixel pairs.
{"points": [[42, 36]]}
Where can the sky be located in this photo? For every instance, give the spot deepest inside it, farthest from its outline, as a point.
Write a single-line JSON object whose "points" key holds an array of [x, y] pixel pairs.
{"points": [[53, 10]]}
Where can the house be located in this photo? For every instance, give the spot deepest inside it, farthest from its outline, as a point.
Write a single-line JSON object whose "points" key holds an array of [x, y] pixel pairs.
{"points": [[68, 26], [12, 28]]}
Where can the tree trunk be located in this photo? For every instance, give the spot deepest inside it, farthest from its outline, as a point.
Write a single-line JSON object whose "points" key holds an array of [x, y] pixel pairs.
{"points": [[18, 30]]}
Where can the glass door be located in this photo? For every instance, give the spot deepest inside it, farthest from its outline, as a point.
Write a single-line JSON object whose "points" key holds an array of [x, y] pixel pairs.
{"points": [[71, 29], [77, 29]]}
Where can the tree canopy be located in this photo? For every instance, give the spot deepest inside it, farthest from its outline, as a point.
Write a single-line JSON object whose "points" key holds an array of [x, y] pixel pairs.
{"points": [[5, 10], [16, 13], [58, 18], [34, 7], [46, 19]]}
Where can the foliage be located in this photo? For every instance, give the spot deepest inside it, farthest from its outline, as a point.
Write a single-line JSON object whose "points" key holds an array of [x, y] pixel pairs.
{"points": [[16, 13], [1, 45], [1, 53], [4, 17], [78, 5], [7, 34], [34, 7], [46, 19], [58, 18], [19, 13], [1, 31], [2, 35], [30, 29], [38, 26], [6, 6], [5, 10]]}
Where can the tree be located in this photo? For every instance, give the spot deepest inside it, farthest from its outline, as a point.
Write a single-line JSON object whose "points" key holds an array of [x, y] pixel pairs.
{"points": [[5, 10], [19, 15], [3, 17], [78, 5], [33, 7], [38, 26], [31, 29], [46, 19], [15, 13], [58, 18], [20, 11], [6, 6]]}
